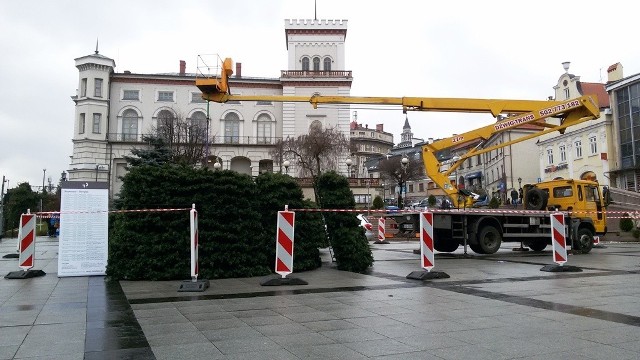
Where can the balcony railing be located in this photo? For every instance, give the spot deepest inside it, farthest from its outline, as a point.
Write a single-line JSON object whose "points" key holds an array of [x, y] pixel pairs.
{"points": [[314, 74], [353, 182], [221, 140]]}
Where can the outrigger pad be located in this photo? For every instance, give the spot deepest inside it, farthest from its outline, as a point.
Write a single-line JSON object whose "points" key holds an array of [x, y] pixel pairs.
{"points": [[193, 286], [558, 268], [280, 281], [381, 242], [24, 274], [427, 275], [11, 256]]}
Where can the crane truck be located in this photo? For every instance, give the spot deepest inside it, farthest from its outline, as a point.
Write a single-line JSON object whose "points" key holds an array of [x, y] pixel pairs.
{"points": [[483, 230]]}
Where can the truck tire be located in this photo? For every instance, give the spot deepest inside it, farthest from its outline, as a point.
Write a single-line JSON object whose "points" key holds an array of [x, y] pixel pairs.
{"points": [[583, 242], [537, 245], [476, 248], [446, 245], [536, 199], [489, 239]]}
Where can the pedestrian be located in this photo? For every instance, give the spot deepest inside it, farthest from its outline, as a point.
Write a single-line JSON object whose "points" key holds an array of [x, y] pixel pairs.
{"points": [[514, 197]]}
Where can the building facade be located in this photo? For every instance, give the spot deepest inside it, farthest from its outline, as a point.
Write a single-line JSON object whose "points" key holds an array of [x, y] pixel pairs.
{"points": [[583, 151], [114, 110]]}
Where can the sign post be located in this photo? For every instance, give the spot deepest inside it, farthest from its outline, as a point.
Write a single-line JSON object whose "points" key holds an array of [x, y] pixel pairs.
{"points": [[194, 284], [381, 232], [285, 226], [559, 242]]}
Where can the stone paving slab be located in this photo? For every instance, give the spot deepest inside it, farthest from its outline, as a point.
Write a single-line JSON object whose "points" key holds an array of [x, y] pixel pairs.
{"points": [[498, 306]]}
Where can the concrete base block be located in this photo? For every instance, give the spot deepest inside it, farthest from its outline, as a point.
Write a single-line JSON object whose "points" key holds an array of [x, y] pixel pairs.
{"points": [[24, 274], [427, 275], [280, 281], [559, 268], [194, 286]]}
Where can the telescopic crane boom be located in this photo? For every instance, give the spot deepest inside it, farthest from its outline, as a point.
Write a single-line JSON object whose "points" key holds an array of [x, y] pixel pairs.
{"points": [[520, 112]]}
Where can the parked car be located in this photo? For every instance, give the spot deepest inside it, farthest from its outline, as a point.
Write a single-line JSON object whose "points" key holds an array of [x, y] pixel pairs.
{"points": [[369, 231], [392, 209]]}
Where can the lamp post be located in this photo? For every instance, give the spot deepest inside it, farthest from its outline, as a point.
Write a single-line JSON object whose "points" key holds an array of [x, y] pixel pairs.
{"points": [[44, 173], [349, 162], [286, 164], [403, 163], [520, 188], [217, 165], [2, 206]]}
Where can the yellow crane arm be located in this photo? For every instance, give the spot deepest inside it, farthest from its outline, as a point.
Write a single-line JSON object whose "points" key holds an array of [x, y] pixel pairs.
{"points": [[522, 112]]}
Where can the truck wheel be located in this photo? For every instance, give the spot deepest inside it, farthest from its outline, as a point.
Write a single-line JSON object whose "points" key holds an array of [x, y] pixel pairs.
{"points": [[476, 248], [489, 239], [537, 245], [446, 246], [536, 199], [584, 241]]}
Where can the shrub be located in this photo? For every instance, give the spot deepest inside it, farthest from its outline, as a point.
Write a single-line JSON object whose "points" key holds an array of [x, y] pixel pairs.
{"points": [[155, 245], [276, 191], [378, 203], [626, 223], [494, 203], [349, 243]]}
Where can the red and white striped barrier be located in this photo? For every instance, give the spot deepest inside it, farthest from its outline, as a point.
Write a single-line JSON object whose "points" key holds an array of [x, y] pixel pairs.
{"points": [[284, 242], [426, 240], [381, 229], [27, 239], [558, 238], [193, 220], [596, 240]]}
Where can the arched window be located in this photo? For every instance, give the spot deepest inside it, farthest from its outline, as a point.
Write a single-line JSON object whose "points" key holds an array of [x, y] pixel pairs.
{"points": [[316, 64], [305, 64], [198, 129], [327, 64], [232, 128], [264, 129], [165, 125], [130, 125]]}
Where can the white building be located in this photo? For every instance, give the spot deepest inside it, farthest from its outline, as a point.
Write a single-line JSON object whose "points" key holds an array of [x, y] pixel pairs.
{"points": [[585, 150], [115, 109]]}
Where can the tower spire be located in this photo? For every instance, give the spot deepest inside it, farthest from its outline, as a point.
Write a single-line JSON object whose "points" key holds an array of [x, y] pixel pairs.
{"points": [[315, 9], [96, 45]]}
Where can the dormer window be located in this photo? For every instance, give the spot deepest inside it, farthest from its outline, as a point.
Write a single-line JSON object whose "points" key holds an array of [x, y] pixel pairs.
{"points": [[305, 64]]}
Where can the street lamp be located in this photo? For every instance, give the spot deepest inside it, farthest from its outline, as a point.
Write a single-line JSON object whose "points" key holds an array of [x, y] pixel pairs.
{"points": [[520, 183], [349, 163], [44, 173], [217, 165], [403, 163], [286, 164]]}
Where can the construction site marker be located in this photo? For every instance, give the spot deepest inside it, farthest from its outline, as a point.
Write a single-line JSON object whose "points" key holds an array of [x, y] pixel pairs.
{"points": [[381, 234], [427, 256], [194, 284], [285, 226], [559, 242], [27, 248]]}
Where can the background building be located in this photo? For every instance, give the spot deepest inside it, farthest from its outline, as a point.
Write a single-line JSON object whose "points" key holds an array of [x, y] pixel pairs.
{"points": [[115, 109]]}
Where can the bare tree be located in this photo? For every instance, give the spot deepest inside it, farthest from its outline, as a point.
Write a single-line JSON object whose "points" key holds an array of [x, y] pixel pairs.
{"points": [[187, 138], [314, 153], [392, 169]]}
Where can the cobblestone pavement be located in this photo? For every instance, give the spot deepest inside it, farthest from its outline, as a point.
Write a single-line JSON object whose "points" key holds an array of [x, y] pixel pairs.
{"points": [[498, 306]]}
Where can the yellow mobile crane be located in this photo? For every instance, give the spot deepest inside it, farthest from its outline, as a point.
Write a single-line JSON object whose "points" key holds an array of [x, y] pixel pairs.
{"points": [[481, 238]]}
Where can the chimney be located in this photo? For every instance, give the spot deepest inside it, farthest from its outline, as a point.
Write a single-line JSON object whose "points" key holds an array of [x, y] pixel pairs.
{"points": [[238, 69], [183, 67], [614, 72], [380, 127]]}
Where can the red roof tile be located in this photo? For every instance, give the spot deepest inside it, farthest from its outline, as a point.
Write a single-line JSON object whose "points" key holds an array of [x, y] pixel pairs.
{"points": [[598, 90]]}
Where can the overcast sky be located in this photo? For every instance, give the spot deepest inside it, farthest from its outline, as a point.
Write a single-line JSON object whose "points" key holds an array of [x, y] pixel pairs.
{"points": [[475, 49]]}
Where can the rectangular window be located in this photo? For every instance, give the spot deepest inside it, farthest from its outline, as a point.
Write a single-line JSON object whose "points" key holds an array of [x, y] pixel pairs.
{"points": [[421, 187], [130, 128], [264, 103], [165, 96], [563, 153], [566, 93], [196, 97], [411, 188], [578, 145], [98, 88], [83, 87], [81, 124], [593, 145], [96, 123], [550, 156], [131, 95]]}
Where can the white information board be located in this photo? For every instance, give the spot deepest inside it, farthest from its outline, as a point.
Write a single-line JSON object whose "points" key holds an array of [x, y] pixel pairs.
{"points": [[84, 224]]}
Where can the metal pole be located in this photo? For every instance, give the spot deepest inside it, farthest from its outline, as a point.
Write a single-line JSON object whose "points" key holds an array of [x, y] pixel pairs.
{"points": [[2, 209], [368, 198]]}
